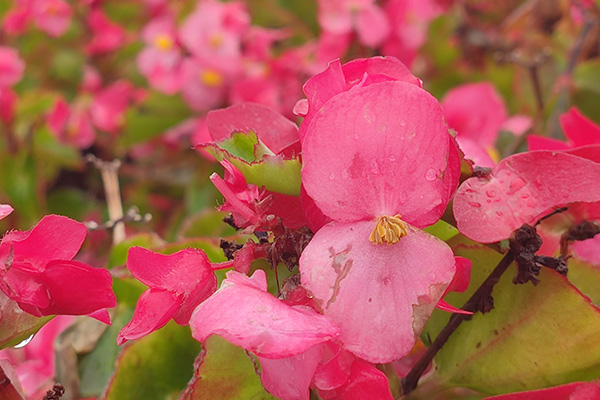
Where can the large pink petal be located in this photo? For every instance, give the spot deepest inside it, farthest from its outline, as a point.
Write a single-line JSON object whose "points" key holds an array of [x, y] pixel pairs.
{"points": [[154, 309], [272, 128], [54, 237], [379, 295], [242, 312], [519, 190], [379, 69], [289, 378], [365, 382], [379, 150], [76, 288]]}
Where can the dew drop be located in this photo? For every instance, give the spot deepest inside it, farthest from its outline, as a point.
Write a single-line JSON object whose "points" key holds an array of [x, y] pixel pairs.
{"points": [[499, 213], [402, 123], [332, 176], [474, 204], [23, 343], [490, 193], [392, 157], [515, 185], [356, 137], [374, 167], [345, 175], [430, 175]]}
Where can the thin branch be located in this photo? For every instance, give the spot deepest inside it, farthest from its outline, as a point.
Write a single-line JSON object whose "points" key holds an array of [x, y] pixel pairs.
{"points": [[481, 296]]}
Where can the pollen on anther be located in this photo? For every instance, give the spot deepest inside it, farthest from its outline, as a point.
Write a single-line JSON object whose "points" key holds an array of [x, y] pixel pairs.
{"points": [[388, 230]]}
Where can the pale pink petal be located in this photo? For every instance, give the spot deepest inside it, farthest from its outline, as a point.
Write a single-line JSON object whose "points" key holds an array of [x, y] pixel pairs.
{"points": [[273, 129], [379, 150], [242, 312], [520, 189], [475, 152], [58, 117], [289, 378], [12, 66], [476, 111], [154, 309], [52, 16], [5, 210], [335, 16], [588, 250], [379, 295], [372, 26], [517, 124]]}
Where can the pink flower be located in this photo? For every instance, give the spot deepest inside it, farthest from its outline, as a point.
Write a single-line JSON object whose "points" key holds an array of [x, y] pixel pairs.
{"points": [[12, 67], [71, 124], [110, 104], [579, 130], [16, 19], [178, 283], [339, 78], [8, 101], [203, 87], [379, 161], [160, 61], [52, 16], [107, 36], [341, 16], [41, 277]]}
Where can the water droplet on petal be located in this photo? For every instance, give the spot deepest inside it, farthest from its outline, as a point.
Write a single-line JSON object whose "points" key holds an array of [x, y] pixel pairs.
{"points": [[490, 193], [515, 185], [332, 176], [356, 137], [392, 157], [345, 174], [499, 213], [474, 204], [374, 167], [430, 175], [23, 343], [402, 123]]}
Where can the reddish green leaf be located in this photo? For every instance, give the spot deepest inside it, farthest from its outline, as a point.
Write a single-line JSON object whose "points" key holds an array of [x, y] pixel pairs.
{"points": [[536, 336], [15, 324], [224, 371]]}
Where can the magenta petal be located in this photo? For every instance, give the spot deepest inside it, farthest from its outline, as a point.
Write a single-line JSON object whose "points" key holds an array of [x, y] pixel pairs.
{"points": [[289, 378], [379, 295], [519, 190], [579, 130], [54, 237], [444, 306], [562, 392], [379, 150], [334, 369], [365, 382], [242, 312], [372, 25], [272, 128], [154, 309], [76, 288], [180, 272], [379, 69]]}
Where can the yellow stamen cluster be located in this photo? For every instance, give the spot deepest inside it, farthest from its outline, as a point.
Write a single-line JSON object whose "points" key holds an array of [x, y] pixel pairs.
{"points": [[389, 230], [215, 40], [211, 78], [163, 42]]}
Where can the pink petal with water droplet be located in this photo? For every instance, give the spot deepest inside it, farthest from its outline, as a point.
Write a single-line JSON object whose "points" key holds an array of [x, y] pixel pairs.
{"points": [[379, 295], [520, 189], [380, 150], [242, 312], [5, 210]]}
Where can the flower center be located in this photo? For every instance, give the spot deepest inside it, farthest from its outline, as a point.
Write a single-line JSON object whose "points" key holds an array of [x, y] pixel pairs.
{"points": [[389, 230], [163, 42], [211, 78]]}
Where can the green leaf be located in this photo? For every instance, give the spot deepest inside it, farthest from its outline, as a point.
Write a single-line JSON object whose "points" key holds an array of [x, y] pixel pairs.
{"points": [[535, 337], [242, 145], [273, 173], [157, 366], [224, 372], [96, 367], [442, 230], [15, 324], [585, 277], [206, 224], [586, 75]]}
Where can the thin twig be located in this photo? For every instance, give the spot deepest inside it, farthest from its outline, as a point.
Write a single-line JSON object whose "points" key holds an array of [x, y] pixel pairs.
{"points": [[481, 295], [110, 180]]}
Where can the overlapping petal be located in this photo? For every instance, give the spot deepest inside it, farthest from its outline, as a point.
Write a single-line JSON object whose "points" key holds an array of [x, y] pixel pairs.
{"points": [[379, 295], [242, 312], [386, 150], [520, 189]]}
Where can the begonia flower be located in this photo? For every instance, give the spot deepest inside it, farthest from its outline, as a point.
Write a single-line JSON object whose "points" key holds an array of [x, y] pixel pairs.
{"points": [[338, 78], [379, 161], [160, 61], [343, 16], [203, 86], [8, 101], [107, 35], [12, 67], [110, 104], [579, 130], [177, 284], [71, 124], [245, 314], [52, 16], [521, 189], [40, 275]]}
